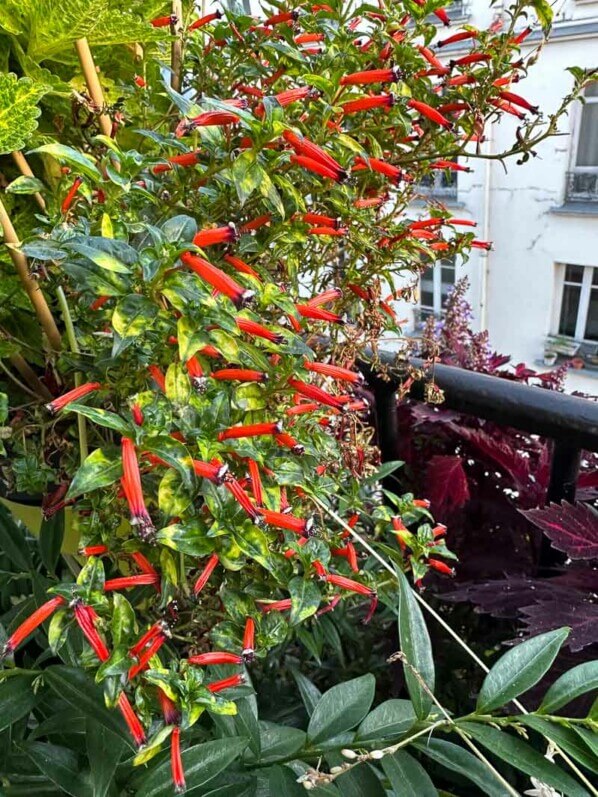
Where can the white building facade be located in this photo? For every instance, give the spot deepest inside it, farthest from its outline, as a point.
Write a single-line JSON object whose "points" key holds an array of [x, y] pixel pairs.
{"points": [[537, 290]]}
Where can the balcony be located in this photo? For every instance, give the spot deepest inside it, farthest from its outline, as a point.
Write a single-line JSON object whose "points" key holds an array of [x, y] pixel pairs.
{"points": [[581, 187]]}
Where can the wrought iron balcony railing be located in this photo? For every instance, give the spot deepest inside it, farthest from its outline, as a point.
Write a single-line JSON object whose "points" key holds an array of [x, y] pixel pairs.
{"points": [[582, 187]]}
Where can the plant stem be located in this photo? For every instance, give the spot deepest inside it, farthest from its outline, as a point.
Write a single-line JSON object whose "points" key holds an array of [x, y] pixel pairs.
{"points": [[28, 374], [32, 288], [176, 51], [74, 347], [25, 169], [93, 84], [17, 382]]}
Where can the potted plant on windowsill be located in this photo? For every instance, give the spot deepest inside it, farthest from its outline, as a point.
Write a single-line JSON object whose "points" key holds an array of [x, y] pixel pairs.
{"points": [[550, 357]]}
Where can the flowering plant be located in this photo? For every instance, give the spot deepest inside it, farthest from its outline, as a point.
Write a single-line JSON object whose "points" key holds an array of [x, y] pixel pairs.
{"points": [[211, 255]]}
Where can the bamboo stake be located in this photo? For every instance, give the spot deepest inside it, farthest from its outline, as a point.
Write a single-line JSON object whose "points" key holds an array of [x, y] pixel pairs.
{"points": [[34, 292], [176, 51], [25, 169], [93, 84]]}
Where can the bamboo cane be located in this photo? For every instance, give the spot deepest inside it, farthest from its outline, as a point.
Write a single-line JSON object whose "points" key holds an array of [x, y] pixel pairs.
{"points": [[25, 169], [176, 52], [33, 290], [30, 377], [93, 84]]}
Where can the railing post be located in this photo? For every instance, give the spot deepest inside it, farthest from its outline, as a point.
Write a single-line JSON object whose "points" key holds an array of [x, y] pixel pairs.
{"points": [[387, 421], [564, 470]]}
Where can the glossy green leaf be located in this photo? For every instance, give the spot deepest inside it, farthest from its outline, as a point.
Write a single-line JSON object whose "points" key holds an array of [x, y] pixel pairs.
{"points": [[123, 622], [81, 163], [101, 468], [310, 694], [389, 719], [178, 385], [175, 454], [74, 686], [101, 258], [25, 185], [12, 541], [359, 781], [202, 763], [189, 537], [134, 315], [519, 669], [457, 759], [51, 535], [543, 11], [575, 682], [246, 725], [179, 228], [19, 110], [522, 756], [407, 776], [173, 494], [60, 765], [282, 781], [17, 698], [247, 175], [279, 742], [305, 599], [565, 738], [341, 708], [416, 646], [104, 751], [103, 418]]}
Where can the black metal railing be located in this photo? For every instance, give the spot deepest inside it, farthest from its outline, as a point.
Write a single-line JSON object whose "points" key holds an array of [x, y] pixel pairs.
{"points": [[582, 187], [570, 422]]}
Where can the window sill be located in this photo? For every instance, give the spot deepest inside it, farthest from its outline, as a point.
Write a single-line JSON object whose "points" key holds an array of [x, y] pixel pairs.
{"points": [[576, 209], [452, 202]]}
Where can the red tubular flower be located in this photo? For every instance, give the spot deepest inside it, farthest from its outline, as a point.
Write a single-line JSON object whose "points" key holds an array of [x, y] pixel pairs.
{"points": [[355, 586], [169, 710], [256, 223], [256, 481], [316, 393], [453, 107], [158, 377], [29, 625], [350, 553], [226, 683], [156, 630], [288, 441], [471, 58], [218, 279], [487, 245], [133, 723], [430, 113], [176, 761], [301, 409], [458, 37], [428, 54], [441, 567], [206, 119], [146, 654], [441, 14], [185, 160], [515, 99], [319, 314], [235, 489], [424, 503], [137, 414], [68, 200], [275, 606], [208, 470], [519, 39], [215, 657], [73, 395], [373, 202], [284, 16], [380, 166], [250, 430], [335, 371], [439, 531], [205, 20], [319, 220], [252, 91], [196, 373], [303, 146], [93, 550], [257, 330], [331, 231], [450, 165], [131, 482], [327, 296], [144, 564], [205, 574], [86, 617], [423, 223], [248, 652], [390, 75], [139, 81], [309, 38], [240, 265], [283, 520], [128, 582], [290, 96], [316, 166], [367, 103], [216, 235], [164, 22], [505, 106], [239, 375], [462, 222], [99, 302]]}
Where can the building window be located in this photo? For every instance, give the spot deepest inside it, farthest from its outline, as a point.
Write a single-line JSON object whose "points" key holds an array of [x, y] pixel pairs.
{"points": [[578, 315], [435, 284], [440, 183], [582, 182]]}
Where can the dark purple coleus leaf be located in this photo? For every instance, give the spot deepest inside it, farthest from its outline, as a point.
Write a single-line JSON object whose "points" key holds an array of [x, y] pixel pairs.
{"points": [[500, 452], [571, 528], [580, 615], [448, 488]]}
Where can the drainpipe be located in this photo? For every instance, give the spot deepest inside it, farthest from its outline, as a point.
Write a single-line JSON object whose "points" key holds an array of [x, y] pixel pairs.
{"points": [[486, 232]]}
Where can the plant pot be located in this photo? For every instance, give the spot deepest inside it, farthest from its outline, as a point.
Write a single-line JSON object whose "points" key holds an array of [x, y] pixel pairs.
{"points": [[550, 358], [577, 363]]}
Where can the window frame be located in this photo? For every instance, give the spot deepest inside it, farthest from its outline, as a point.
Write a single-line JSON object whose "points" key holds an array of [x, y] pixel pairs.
{"points": [[576, 133], [584, 302], [436, 310]]}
